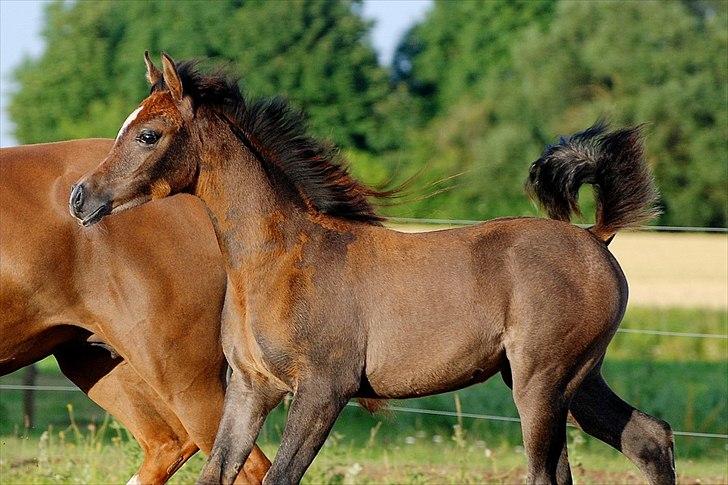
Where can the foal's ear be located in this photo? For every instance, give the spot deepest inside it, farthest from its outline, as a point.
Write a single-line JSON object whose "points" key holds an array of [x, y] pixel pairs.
{"points": [[153, 74], [171, 78]]}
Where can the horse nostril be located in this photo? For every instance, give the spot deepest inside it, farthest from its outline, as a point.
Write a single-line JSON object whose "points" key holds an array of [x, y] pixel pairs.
{"points": [[77, 197]]}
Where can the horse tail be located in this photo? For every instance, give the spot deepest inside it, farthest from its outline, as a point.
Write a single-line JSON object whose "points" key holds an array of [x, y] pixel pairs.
{"points": [[613, 162]]}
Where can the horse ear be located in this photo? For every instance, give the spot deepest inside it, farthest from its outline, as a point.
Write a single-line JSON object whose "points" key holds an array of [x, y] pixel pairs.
{"points": [[171, 77], [153, 74]]}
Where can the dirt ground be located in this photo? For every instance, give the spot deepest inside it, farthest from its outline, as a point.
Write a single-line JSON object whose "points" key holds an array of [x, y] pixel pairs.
{"points": [[676, 270]]}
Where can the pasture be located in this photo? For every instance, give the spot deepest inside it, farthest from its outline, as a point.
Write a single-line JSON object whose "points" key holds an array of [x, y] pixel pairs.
{"points": [[679, 379]]}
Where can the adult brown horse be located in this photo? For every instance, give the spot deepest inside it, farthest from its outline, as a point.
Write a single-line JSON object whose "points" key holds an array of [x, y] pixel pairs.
{"points": [[324, 302], [74, 293]]}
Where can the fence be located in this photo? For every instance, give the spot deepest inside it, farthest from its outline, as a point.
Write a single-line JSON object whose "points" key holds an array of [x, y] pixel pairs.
{"points": [[29, 387], [470, 222]]}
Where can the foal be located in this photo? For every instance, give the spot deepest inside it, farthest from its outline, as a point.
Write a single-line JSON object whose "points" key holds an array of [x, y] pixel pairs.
{"points": [[326, 303]]}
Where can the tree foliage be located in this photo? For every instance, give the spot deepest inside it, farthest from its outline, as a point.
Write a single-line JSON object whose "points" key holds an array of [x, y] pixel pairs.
{"points": [[475, 90], [90, 76], [460, 43], [659, 63]]}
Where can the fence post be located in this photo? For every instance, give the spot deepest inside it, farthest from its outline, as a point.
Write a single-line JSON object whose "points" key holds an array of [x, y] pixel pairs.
{"points": [[29, 375]]}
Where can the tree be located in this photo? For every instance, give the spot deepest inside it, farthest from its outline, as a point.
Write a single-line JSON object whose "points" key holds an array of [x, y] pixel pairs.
{"points": [[460, 43], [90, 76], [659, 63]]}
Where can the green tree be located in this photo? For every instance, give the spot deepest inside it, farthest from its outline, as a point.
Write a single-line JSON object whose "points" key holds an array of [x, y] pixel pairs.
{"points": [[460, 43], [315, 52], [660, 63]]}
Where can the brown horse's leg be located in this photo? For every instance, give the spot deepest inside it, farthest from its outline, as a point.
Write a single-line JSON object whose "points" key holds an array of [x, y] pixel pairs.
{"points": [[313, 413], [247, 403], [563, 470], [543, 409], [645, 440], [116, 387]]}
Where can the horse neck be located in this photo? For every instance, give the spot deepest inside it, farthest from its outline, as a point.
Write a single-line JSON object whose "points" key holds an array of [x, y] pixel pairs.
{"points": [[248, 215]]}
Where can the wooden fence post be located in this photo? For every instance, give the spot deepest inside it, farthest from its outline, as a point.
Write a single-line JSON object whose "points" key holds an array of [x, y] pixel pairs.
{"points": [[29, 375]]}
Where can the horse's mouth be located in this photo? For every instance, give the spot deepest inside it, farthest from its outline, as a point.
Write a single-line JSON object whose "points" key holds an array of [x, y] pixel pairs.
{"points": [[109, 208], [102, 211]]}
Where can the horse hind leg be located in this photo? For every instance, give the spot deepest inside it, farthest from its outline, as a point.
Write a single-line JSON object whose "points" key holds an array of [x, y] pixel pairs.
{"points": [[645, 440], [543, 410], [563, 470], [543, 386]]}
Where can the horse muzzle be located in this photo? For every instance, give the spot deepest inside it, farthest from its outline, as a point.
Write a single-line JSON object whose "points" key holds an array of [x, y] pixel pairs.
{"points": [[86, 208]]}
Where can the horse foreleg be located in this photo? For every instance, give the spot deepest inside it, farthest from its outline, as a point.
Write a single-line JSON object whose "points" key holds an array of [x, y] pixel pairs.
{"points": [[247, 403], [115, 386], [313, 412]]}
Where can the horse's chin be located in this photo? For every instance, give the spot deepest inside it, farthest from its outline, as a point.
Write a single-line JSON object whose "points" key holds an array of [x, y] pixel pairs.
{"points": [[99, 213]]}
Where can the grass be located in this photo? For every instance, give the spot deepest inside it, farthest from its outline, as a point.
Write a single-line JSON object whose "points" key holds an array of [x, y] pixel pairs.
{"points": [[682, 380], [105, 455]]}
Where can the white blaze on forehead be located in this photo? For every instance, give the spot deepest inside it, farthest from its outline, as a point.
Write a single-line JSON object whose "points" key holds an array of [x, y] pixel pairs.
{"points": [[128, 121]]}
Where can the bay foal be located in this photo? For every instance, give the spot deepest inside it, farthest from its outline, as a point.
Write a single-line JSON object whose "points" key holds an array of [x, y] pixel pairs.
{"points": [[324, 302]]}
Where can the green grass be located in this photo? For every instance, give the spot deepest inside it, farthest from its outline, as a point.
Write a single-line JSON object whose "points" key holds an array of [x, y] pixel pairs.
{"points": [[107, 456], [681, 380]]}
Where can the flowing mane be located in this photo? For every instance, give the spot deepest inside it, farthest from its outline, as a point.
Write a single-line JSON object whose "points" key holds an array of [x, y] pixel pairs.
{"points": [[278, 135]]}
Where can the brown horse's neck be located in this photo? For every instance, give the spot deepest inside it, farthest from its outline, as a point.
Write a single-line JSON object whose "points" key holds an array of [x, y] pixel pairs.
{"points": [[250, 217]]}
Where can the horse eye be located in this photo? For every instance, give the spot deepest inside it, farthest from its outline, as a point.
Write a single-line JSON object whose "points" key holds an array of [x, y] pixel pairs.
{"points": [[148, 137]]}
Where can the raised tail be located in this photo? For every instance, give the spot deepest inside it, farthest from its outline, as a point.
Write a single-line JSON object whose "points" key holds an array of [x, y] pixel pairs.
{"points": [[612, 162]]}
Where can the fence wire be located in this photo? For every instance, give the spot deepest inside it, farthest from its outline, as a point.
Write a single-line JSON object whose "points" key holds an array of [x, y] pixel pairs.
{"points": [[490, 417], [399, 409], [671, 334]]}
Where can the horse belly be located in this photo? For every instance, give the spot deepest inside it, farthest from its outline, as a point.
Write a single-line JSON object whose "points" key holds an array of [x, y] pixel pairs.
{"points": [[417, 363]]}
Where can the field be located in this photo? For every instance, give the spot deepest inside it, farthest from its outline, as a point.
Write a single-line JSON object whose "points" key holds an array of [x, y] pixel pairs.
{"points": [[683, 380]]}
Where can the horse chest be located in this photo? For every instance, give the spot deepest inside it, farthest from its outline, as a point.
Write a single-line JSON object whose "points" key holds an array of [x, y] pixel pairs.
{"points": [[255, 337]]}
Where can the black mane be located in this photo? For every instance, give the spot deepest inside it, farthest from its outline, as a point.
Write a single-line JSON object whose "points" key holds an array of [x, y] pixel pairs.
{"points": [[278, 135]]}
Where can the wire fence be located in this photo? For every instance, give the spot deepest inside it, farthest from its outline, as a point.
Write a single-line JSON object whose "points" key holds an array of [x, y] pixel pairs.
{"points": [[665, 333], [477, 416], [393, 408]]}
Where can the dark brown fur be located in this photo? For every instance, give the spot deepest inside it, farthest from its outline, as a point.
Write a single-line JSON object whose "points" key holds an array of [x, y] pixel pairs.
{"points": [[331, 307], [613, 162]]}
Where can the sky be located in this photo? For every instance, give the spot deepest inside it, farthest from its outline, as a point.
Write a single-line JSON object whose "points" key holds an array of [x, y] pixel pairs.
{"points": [[21, 23]]}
